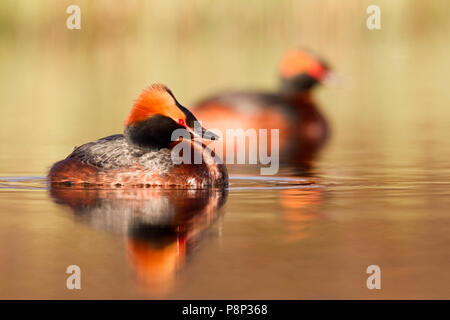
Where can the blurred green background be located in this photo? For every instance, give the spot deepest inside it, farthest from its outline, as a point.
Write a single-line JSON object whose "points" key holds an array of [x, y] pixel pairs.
{"points": [[383, 190], [60, 88]]}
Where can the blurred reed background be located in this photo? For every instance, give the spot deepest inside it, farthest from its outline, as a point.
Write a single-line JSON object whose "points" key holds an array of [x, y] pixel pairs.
{"points": [[60, 88]]}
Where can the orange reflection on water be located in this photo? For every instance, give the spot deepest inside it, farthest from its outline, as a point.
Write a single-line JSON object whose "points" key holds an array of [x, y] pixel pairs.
{"points": [[300, 207], [160, 225]]}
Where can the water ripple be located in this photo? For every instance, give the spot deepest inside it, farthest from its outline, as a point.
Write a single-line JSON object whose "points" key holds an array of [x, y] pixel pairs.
{"points": [[237, 182]]}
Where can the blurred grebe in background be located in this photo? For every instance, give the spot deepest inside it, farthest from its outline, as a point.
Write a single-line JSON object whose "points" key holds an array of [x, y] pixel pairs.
{"points": [[303, 128]]}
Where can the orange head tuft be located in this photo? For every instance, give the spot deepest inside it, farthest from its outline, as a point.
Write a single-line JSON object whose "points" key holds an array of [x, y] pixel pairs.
{"points": [[155, 100], [298, 62], [156, 115]]}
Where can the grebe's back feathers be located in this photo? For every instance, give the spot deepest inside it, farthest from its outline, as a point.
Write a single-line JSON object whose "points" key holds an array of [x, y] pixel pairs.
{"points": [[115, 152]]}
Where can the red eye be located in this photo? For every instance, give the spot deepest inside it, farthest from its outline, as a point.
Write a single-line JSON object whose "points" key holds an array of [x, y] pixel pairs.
{"points": [[181, 121]]}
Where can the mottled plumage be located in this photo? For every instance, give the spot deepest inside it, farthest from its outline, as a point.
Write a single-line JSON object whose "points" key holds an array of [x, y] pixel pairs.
{"points": [[112, 161], [114, 152]]}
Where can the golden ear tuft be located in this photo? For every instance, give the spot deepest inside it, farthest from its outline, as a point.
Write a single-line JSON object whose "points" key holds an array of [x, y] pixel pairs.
{"points": [[156, 99]]}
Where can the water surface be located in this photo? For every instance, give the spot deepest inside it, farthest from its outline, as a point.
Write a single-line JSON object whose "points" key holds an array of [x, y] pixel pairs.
{"points": [[287, 237]]}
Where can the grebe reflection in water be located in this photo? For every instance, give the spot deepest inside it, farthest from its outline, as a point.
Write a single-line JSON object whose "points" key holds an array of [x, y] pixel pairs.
{"points": [[161, 226]]}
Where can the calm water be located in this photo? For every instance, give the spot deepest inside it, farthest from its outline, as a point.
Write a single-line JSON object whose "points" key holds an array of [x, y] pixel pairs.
{"points": [[377, 194], [277, 237]]}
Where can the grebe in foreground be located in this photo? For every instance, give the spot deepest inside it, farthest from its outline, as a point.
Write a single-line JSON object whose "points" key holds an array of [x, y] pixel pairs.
{"points": [[142, 155]]}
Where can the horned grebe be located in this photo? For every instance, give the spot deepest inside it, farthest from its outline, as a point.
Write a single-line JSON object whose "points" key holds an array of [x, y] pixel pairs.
{"points": [[142, 155], [303, 128]]}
